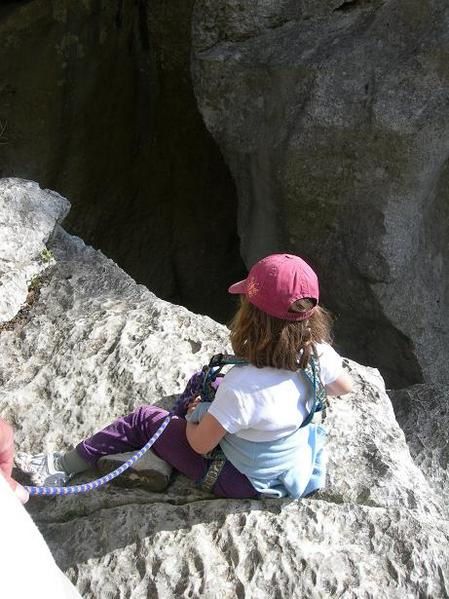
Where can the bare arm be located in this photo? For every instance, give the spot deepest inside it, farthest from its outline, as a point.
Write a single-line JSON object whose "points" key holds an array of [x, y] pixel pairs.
{"points": [[340, 386], [206, 435]]}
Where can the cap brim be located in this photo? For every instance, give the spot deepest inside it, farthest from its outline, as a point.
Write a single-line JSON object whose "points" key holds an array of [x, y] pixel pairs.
{"points": [[239, 287]]}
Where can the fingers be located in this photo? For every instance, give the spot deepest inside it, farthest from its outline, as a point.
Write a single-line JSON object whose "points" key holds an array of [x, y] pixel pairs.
{"points": [[6, 448], [193, 403], [20, 492], [6, 460]]}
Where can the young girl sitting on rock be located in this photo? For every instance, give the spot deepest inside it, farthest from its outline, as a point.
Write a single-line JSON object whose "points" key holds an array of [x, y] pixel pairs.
{"points": [[249, 441]]}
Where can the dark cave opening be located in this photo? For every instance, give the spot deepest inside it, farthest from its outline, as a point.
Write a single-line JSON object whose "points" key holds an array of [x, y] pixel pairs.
{"points": [[105, 114]]}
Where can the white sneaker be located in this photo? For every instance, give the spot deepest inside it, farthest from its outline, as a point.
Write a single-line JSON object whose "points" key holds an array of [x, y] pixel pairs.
{"points": [[43, 468]]}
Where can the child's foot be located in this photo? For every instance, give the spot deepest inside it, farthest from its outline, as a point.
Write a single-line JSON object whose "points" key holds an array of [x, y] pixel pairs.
{"points": [[150, 471], [43, 469]]}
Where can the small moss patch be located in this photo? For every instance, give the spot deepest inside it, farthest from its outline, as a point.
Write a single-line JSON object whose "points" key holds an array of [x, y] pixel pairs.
{"points": [[21, 317]]}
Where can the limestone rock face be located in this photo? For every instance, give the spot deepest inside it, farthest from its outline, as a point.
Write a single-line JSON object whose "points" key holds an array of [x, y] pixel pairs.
{"points": [[333, 117], [423, 414], [28, 216], [96, 345]]}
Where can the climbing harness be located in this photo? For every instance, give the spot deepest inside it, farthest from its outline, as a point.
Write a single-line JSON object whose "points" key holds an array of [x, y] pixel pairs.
{"points": [[311, 371], [320, 401], [203, 383], [214, 370], [216, 465]]}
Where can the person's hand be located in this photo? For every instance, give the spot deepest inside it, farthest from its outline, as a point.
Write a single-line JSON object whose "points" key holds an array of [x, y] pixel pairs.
{"points": [[193, 403], [6, 460]]}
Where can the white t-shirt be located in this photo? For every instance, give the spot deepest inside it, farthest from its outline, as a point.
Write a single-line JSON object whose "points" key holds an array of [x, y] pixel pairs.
{"points": [[265, 404]]}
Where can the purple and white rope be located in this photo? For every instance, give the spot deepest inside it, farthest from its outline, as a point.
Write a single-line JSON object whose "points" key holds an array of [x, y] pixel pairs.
{"points": [[95, 484]]}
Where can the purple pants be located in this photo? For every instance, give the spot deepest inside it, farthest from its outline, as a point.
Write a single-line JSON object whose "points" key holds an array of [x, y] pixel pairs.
{"points": [[133, 431]]}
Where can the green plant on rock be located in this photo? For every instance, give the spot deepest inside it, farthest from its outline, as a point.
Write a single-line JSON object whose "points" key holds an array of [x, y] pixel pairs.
{"points": [[35, 283], [46, 255]]}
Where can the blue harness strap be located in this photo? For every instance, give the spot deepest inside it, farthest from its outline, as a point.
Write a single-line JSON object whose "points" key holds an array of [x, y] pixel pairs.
{"points": [[311, 372], [95, 484]]}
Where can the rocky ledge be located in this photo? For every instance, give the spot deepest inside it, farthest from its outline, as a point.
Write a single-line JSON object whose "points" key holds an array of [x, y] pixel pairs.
{"points": [[94, 345]]}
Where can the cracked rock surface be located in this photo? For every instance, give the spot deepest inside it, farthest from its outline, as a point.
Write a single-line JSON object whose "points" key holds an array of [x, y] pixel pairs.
{"points": [[423, 414], [96, 345]]}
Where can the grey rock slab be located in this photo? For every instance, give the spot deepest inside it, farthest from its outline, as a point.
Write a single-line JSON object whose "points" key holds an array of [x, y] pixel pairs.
{"points": [[423, 414], [97, 346], [251, 549], [28, 216], [369, 460]]}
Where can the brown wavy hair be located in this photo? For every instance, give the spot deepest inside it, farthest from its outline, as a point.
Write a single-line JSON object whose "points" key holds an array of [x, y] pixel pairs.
{"points": [[264, 340]]}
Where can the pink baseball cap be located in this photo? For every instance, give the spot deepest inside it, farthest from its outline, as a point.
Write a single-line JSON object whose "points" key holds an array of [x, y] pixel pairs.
{"points": [[274, 283]]}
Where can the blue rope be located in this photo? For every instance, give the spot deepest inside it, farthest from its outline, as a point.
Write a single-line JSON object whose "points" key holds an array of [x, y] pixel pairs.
{"points": [[95, 484]]}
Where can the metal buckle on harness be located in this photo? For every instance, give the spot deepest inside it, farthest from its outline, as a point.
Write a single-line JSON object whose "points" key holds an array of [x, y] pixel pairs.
{"points": [[213, 370], [208, 481]]}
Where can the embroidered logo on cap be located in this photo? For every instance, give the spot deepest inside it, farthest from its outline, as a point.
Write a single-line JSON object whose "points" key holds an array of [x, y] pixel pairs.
{"points": [[253, 287]]}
